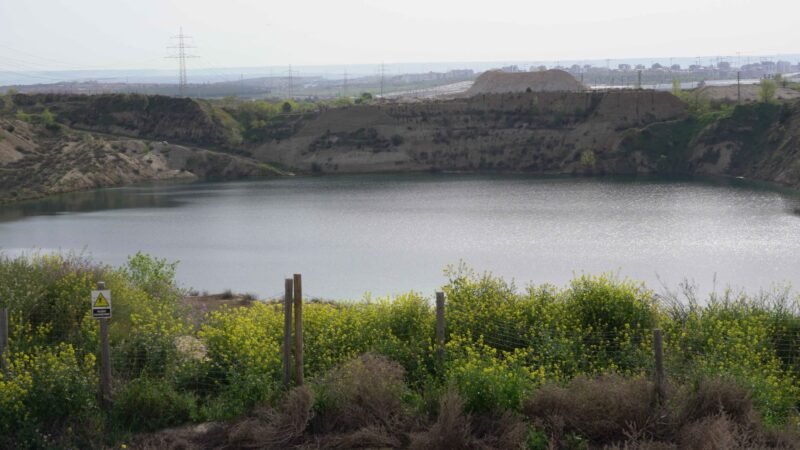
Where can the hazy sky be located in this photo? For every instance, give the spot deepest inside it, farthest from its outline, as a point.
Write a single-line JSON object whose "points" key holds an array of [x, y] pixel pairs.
{"points": [[125, 34]]}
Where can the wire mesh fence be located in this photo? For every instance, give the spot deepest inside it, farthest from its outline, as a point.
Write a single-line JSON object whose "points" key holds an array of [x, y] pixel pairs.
{"points": [[225, 359]]}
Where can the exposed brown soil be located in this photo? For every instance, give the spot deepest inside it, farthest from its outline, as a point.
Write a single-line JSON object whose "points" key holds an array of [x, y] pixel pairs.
{"points": [[498, 82], [36, 161], [200, 305]]}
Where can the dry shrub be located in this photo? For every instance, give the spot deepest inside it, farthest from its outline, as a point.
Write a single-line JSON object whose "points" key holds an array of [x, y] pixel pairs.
{"points": [[275, 428], [642, 445], [455, 430], [605, 410], [504, 431], [716, 432], [719, 413], [722, 432], [452, 429], [364, 392], [161, 442], [190, 437], [716, 396], [368, 437]]}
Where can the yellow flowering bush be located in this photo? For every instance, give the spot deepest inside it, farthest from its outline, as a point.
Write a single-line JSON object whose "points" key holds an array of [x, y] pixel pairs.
{"points": [[502, 344], [243, 357], [489, 379], [47, 386], [737, 338]]}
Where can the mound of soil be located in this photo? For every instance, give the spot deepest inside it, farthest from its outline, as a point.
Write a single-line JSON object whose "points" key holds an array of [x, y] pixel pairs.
{"points": [[497, 82]]}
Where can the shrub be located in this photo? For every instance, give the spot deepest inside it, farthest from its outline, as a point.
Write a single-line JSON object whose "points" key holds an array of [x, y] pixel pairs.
{"points": [[588, 160], [275, 429], [766, 90], [153, 275], [614, 320], [148, 404], [45, 389], [365, 391], [407, 327], [334, 333], [718, 396], [452, 429], [243, 362], [487, 383], [734, 337], [605, 410]]}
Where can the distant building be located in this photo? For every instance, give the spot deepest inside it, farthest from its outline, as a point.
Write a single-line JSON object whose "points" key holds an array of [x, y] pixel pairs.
{"points": [[510, 69], [624, 67], [460, 73], [784, 66]]}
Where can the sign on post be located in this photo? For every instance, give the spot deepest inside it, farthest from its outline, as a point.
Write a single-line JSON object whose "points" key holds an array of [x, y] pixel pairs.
{"points": [[101, 304]]}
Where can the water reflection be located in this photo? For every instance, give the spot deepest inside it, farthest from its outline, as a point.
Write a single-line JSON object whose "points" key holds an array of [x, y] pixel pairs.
{"points": [[100, 200], [393, 233]]}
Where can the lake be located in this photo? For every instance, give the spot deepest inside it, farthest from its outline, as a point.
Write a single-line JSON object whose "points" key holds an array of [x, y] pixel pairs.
{"points": [[388, 234]]}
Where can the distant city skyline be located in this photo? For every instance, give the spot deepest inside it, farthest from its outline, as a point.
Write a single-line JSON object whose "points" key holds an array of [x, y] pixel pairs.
{"points": [[45, 35], [221, 74]]}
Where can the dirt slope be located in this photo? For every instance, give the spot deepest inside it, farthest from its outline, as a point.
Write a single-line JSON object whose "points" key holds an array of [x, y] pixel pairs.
{"points": [[497, 82], [539, 132], [155, 117], [36, 161]]}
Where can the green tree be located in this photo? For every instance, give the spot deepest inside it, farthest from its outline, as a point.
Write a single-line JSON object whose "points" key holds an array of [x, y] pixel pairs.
{"points": [[676, 87], [48, 118], [21, 115], [588, 159], [286, 107], [766, 90]]}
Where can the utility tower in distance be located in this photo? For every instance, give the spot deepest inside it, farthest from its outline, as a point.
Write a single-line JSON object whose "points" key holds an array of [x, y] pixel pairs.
{"points": [[181, 56], [382, 74]]}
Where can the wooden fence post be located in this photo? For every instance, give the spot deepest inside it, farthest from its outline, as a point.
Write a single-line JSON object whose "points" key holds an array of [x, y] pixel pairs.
{"points": [[440, 328], [298, 329], [287, 332], [105, 358], [3, 336], [660, 380]]}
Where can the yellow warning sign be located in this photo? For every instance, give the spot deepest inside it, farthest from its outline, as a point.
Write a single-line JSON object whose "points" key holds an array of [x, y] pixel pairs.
{"points": [[101, 302]]}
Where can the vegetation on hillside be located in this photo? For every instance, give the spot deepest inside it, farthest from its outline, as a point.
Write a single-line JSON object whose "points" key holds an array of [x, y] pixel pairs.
{"points": [[521, 367], [266, 120]]}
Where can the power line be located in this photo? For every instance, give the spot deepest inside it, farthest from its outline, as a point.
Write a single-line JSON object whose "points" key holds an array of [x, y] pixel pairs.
{"points": [[181, 57], [382, 73], [291, 93]]}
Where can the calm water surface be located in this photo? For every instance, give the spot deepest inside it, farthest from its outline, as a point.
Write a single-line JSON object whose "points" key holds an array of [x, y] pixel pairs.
{"points": [[387, 234]]}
